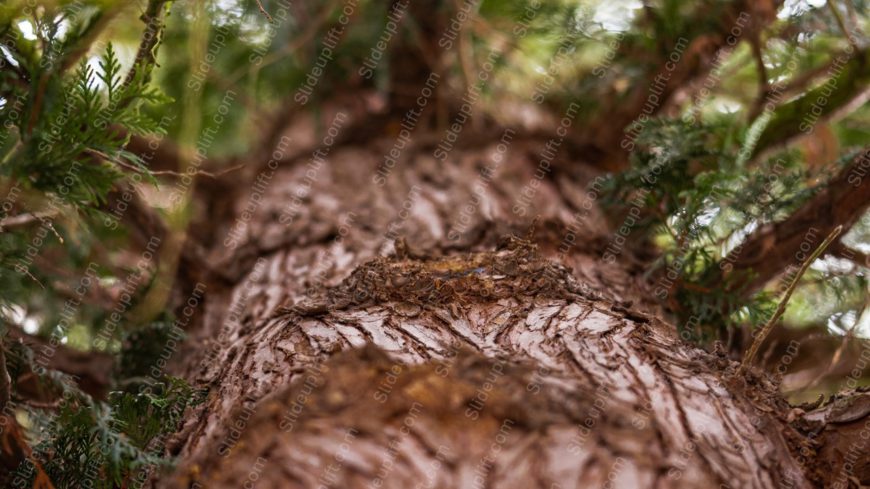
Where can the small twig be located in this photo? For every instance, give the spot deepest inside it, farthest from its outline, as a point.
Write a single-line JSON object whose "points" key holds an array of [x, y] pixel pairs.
{"points": [[466, 54], [40, 404], [838, 354], [27, 272], [117, 161], [203, 173], [146, 56], [857, 258], [141, 171], [5, 379], [82, 45], [148, 380], [268, 17], [12, 154], [800, 82], [30, 218], [842, 24], [200, 172], [780, 309], [853, 16], [37, 103], [24, 219], [312, 29], [769, 352], [763, 80]]}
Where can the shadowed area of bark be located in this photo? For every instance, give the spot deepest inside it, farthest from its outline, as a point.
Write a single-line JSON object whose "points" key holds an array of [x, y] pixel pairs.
{"points": [[363, 420]]}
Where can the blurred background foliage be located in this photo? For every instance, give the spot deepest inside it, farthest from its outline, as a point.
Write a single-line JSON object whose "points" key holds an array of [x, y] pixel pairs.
{"points": [[74, 92]]}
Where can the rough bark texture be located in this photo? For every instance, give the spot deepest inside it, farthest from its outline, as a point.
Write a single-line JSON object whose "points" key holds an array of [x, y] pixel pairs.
{"points": [[455, 358]]}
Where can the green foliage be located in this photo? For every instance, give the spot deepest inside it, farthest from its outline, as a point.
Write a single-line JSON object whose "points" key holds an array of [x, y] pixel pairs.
{"points": [[67, 116], [699, 203], [141, 348], [108, 443], [667, 154], [14, 287], [75, 148]]}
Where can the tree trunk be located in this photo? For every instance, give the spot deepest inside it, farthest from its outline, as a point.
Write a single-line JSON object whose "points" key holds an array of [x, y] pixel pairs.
{"points": [[353, 334]]}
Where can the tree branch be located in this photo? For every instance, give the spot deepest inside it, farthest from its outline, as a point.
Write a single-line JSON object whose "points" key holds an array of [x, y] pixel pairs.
{"points": [[763, 85], [696, 60], [845, 91], [798, 84], [91, 369], [840, 250], [158, 156], [146, 57], [770, 250]]}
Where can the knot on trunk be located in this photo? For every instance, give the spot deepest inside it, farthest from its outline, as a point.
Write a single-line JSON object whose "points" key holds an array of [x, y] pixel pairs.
{"points": [[514, 269]]}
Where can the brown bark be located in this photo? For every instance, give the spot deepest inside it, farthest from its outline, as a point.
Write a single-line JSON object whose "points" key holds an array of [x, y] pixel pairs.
{"points": [[343, 357]]}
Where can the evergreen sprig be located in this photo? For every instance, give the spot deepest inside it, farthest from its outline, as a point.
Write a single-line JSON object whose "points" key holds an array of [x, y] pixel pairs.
{"points": [[699, 202]]}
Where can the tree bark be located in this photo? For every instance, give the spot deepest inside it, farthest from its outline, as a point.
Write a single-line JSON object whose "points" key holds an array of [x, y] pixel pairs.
{"points": [[395, 336]]}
